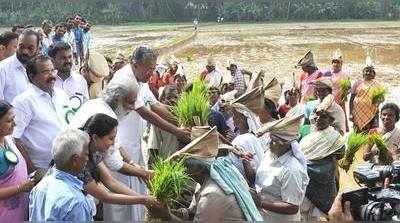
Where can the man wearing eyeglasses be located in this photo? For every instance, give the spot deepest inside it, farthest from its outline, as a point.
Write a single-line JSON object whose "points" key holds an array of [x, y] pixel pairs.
{"points": [[40, 113]]}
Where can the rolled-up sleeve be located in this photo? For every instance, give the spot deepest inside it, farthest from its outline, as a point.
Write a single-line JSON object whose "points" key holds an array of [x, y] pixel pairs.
{"points": [[113, 159]]}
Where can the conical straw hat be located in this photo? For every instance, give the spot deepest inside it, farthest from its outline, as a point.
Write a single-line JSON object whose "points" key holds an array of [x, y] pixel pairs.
{"points": [[253, 100], [286, 128], [203, 147], [307, 60]]}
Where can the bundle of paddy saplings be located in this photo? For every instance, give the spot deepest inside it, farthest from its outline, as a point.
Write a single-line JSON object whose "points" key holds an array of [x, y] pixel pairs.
{"points": [[354, 143], [169, 180], [378, 95], [345, 86], [193, 107], [384, 154]]}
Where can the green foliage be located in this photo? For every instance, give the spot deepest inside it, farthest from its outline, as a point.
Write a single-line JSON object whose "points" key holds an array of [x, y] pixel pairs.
{"points": [[169, 180], [379, 142], [121, 11], [191, 104], [354, 143], [345, 86], [378, 95]]}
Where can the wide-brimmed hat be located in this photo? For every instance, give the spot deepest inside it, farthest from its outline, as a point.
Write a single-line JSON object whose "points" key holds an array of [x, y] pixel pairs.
{"points": [[307, 60], [204, 146], [97, 63], [327, 106], [286, 128]]}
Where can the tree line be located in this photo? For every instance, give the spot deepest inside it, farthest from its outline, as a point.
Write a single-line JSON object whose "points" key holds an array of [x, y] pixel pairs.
{"points": [[32, 12]]}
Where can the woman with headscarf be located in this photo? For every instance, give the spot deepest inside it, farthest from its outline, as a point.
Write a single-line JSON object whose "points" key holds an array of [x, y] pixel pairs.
{"points": [[222, 194], [363, 111], [281, 179], [309, 75]]}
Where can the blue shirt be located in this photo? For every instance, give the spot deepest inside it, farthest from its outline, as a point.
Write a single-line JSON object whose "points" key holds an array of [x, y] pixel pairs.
{"points": [[56, 39], [59, 197], [78, 32]]}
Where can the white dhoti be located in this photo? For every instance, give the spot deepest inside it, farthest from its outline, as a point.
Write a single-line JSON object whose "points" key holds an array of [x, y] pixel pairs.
{"points": [[130, 130]]}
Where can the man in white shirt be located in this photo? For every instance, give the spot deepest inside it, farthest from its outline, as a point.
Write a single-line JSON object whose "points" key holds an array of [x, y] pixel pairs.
{"points": [[131, 127], [211, 75], [8, 44], [13, 77], [71, 82], [40, 114]]}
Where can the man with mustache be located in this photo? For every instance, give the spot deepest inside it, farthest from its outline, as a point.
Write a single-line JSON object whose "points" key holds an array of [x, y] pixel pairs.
{"points": [[13, 77], [40, 113], [71, 82]]}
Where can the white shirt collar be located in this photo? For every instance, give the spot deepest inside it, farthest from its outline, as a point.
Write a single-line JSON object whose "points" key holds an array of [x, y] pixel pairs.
{"points": [[40, 92], [17, 64]]}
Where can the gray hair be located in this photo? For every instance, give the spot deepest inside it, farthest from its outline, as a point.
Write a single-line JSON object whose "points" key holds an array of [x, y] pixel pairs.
{"points": [[118, 88], [67, 144], [144, 52]]}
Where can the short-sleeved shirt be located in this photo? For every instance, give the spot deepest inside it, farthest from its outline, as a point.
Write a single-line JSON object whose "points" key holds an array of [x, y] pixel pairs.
{"points": [[248, 142], [39, 119], [239, 82], [74, 85], [13, 78], [281, 179], [213, 78], [59, 197]]}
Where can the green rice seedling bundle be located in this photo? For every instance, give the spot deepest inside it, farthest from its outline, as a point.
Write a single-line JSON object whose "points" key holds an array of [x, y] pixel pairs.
{"points": [[195, 103], [169, 180], [378, 95], [345, 86], [354, 143], [384, 155]]}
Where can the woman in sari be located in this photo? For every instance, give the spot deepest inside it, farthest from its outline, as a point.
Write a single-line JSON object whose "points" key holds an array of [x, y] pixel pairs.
{"points": [[363, 112]]}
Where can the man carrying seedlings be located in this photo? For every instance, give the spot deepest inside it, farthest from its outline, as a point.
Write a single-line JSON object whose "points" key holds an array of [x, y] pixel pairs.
{"points": [[222, 193]]}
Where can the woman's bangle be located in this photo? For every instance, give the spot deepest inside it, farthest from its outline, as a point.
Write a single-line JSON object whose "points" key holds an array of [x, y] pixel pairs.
{"points": [[18, 188]]}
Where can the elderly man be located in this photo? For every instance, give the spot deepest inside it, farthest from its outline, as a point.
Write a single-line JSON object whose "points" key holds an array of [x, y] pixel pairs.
{"points": [[222, 194], [8, 44], [40, 113], [131, 126], [59, 196], [211, 75], [321, 148], [13, 77], [71, 82]]}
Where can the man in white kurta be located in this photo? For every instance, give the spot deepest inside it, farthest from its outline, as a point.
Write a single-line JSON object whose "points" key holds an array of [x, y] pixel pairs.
{"points": [[130, 131]]}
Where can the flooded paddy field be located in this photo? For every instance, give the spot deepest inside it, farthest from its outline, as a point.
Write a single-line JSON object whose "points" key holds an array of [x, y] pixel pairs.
{"points": [[275, 47]]}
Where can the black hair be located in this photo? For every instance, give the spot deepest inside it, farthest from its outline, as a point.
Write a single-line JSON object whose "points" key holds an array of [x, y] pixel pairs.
{"points": [[4, 108], [31, 65], [271, 108], [61, 24], [60, 46], [144, 52], [7, 37], [394, 107], [29, 32], [100, 125], [14, 28]]}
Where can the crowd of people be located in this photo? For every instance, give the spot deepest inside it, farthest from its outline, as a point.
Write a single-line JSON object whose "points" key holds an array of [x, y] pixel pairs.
{"points": [[79, 133]]}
